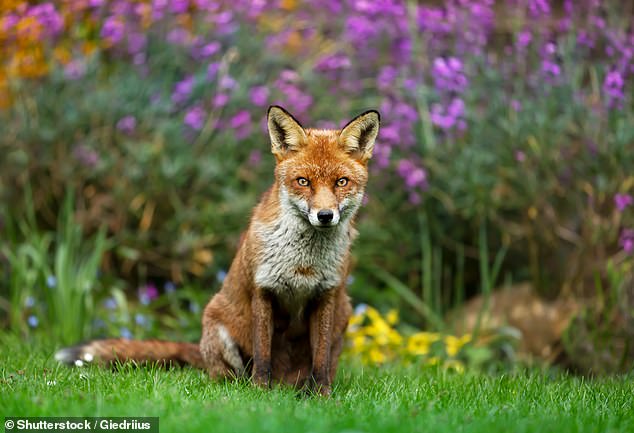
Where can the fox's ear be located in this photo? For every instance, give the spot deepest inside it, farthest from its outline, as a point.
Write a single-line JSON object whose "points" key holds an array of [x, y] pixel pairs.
{"points": [[358, 136], [287, 135]]}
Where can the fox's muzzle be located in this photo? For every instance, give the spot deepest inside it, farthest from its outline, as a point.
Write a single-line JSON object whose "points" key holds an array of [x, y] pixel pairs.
{"points": [[324, 218]]}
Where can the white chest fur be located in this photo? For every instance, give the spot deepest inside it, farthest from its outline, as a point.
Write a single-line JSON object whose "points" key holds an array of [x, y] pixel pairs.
{"points": [[298, 261]]}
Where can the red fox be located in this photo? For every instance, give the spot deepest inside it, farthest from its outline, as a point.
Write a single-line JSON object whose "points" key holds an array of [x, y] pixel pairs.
{"points": [[282, 311]]}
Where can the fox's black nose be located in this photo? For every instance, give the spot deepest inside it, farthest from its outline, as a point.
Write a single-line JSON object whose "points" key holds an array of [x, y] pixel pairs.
{"points": [[325, 216]]}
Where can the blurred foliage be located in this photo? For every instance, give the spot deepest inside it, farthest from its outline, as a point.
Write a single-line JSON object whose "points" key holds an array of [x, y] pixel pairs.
{"points": [[506, 150], [375, 339]]}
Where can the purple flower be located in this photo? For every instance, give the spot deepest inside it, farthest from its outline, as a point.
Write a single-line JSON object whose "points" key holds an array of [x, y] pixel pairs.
{"points": [[520, 156], [227, 82], [195, 118], [448, 75], [414, 198], [136, 42], [86, 156], [240, 119], [113, 29], [627, 240], [622, 201], [387, 76], [333, 62], [75, 69], [220, 100], [8, 21], [127, 124], [359, 29], [449, 117], [585, 39], [289, 75], [524, 38], [208, 50], [516, 105], [255, 157], [179, 6], [538, 7], [148, 293], [382, 153], [212, 70], [550, 68], [47, 15], [241, 123], [259, 95], [178, 36], [613, 86], [207, 5], [182, 90], [139, 59], [415, 177]]}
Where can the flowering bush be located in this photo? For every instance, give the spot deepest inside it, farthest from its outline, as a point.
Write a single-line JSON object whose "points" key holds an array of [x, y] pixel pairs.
{"points": [[505, 147]]}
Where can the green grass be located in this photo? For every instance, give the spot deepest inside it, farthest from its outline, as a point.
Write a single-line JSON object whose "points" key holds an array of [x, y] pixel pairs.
{"points": [[371, 400]]}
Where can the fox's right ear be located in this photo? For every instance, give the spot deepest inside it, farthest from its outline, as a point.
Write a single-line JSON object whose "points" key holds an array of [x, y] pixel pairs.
{"points": [[287, 135]]}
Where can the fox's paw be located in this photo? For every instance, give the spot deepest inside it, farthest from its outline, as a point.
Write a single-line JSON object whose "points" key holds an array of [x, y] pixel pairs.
{"points": [[76, 355], [262, 378], [316, 387]]}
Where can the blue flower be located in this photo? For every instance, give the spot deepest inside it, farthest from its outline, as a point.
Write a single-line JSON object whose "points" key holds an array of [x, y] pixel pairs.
{"points": [[125, 333], [110, 303], [51, 282], [29, 302], [140, 319], [221, 275], [33, 321], [169, 287]]}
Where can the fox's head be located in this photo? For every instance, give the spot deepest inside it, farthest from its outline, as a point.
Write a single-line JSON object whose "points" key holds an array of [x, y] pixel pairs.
{"points": [[322, 173]]}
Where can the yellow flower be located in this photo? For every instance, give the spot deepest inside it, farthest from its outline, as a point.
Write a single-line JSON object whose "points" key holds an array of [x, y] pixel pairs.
{"points": [[394, 337], [145, 12], [355, 321], [420, 343], [28, 30], [358, 344], [434, 360], [376, 356], [455, 365], [88, 47], [392, 317], [377, 328], [454, 344], [29, 63], [5, 95], [62, 55]]}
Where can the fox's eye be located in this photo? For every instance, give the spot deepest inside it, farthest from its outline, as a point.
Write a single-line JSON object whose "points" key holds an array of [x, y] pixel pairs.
{"points": [[302, 181], [342, 181]]}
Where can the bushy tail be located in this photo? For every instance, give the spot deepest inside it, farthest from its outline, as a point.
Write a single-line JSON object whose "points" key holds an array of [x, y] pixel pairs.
{"points": [[139, 351]]}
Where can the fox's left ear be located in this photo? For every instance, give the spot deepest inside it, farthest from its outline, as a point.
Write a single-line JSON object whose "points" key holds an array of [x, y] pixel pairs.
{"points": [[358, 136]]}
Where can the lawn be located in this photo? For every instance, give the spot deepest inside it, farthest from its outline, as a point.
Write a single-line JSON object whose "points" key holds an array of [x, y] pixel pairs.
{"points": [[392, 399]]}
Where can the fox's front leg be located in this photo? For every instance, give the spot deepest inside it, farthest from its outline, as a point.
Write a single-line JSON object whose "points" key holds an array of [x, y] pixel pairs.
{"points": [[262, 311], [321, 324]]}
